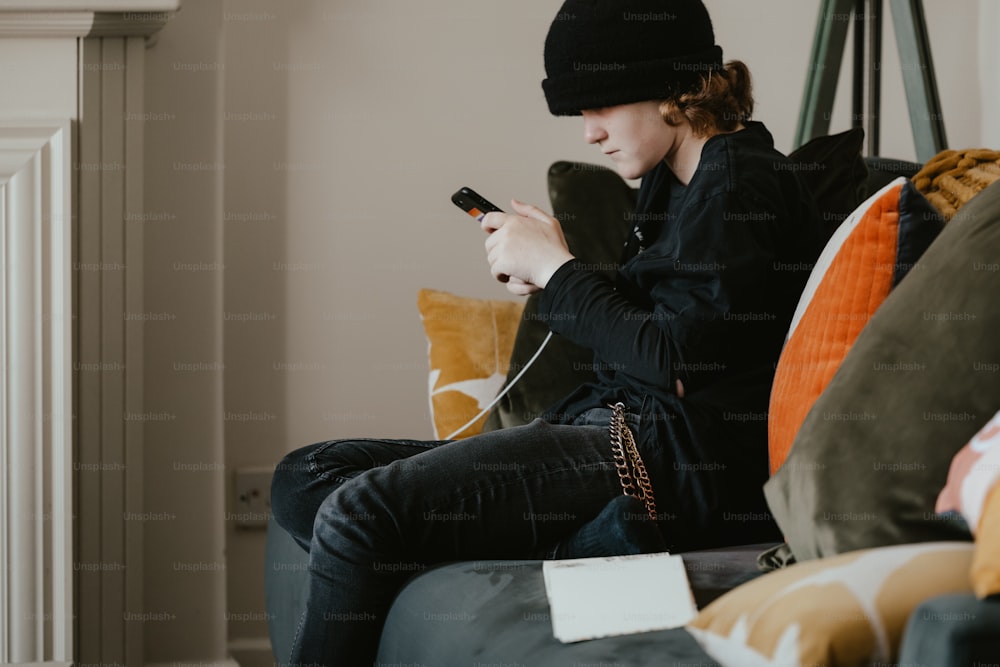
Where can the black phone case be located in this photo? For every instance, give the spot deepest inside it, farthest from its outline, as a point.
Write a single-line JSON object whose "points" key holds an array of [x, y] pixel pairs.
{"points": [[471, 201]]}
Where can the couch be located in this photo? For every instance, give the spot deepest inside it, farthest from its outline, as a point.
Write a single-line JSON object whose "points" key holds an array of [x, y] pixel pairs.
{"points": [[890, 586]]}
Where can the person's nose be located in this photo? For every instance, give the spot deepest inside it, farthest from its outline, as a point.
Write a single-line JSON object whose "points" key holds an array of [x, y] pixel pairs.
{"points": [[593, 129]]}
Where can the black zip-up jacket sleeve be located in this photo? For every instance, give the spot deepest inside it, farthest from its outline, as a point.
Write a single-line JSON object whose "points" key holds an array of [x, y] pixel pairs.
{"points": [[586, 308], [696, 305]]}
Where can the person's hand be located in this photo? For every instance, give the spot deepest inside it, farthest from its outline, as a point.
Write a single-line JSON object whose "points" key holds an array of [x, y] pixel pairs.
{"points": [[525, 249]]}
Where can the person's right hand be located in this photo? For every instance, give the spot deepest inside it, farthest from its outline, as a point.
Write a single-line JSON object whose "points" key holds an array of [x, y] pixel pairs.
{"points": [[526, 246]]}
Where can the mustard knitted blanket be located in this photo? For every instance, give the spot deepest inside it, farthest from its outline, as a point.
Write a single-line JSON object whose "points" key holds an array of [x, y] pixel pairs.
{"points": [[951, 178]]}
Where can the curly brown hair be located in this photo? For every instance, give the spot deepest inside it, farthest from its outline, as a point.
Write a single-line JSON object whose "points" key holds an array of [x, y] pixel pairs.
{"points": [[720, 104]]}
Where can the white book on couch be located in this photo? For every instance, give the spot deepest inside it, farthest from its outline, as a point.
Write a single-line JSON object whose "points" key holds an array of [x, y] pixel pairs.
{"points": [[591, 598]]}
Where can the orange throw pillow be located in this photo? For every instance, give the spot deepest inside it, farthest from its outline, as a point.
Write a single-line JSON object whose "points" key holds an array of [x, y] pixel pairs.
{"points": [[865, 258]]}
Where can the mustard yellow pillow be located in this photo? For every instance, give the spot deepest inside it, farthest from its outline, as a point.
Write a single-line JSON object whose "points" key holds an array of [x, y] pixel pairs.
{"points": [[469, 345], [985, 571], [850, 609]]}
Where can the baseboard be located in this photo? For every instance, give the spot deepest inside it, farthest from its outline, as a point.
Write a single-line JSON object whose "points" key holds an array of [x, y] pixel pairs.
{"points": [[227, 662], [252, 651], [243, 652]]}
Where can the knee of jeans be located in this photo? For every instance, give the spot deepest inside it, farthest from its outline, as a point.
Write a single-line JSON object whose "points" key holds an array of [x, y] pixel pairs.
{"points": [[330, 517], [356, 513]]}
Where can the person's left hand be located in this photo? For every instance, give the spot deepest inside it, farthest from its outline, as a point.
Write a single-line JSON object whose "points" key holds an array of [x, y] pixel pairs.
{"points": [[526, 248]]}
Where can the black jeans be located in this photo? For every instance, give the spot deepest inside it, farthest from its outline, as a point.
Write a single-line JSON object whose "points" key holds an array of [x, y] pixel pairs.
{"points": [[373, 513]]}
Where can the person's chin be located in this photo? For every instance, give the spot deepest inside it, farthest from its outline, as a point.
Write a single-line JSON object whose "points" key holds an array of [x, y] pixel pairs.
{"points": [[629, 171]]}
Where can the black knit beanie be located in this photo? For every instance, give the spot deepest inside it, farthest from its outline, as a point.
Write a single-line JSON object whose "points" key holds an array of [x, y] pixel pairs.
{"points": [[601, 53]]}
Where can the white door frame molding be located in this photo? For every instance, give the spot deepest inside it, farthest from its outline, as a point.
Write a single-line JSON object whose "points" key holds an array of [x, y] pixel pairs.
{"points": [[70, 358], [36, 446]]}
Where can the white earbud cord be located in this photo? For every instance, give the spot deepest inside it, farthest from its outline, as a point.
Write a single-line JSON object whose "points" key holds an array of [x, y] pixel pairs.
{"points": [[509, 386]]}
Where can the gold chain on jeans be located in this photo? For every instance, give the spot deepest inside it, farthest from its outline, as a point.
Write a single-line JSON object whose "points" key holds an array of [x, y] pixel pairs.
{"points": [[631, 469]]}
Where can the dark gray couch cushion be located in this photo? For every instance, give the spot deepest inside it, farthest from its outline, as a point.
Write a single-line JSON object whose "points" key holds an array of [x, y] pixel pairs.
{"points": [[497, 612], [471, 611]]}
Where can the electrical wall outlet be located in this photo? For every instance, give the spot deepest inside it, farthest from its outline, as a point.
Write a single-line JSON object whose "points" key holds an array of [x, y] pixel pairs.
{"points": [[252, 506]]}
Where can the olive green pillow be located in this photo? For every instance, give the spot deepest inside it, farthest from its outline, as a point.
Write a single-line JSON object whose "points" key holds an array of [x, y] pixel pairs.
{"points": [[594, 205], [873, 453]]}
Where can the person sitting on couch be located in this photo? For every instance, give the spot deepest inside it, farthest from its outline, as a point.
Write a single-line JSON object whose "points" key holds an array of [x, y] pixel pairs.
{"points": [[685, 338]]}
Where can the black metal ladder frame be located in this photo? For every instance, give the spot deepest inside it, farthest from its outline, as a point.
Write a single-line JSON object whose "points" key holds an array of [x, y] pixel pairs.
{"points": [[917, 65]]}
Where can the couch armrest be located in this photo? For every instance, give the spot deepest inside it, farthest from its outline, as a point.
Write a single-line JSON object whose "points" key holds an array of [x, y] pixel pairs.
{"points": [[286, 579], [953, 631]]}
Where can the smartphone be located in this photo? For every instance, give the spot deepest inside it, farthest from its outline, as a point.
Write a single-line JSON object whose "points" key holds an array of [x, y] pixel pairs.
{"points": [[477, 206], [473, 203]]}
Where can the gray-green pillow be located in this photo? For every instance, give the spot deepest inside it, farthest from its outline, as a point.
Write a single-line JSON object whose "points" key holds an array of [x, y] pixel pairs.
{"points": [[594, 205], [872, 455]]}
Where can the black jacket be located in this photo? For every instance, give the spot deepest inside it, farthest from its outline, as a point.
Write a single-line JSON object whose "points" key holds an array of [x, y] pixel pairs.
{"points": [[711, 276]]}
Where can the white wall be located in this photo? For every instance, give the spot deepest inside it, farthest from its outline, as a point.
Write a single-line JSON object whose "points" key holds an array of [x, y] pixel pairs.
{"points": [[774, 38], [256, 125], [344, 127], [185, 561], [395, 107], [989, 75]]}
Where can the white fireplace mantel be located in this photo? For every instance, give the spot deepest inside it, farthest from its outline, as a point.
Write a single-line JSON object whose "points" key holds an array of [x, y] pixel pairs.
{"points": [[83, 18], [136, 6], [71, 136]]}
